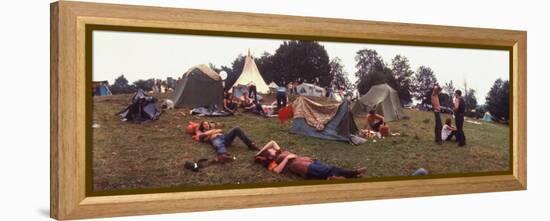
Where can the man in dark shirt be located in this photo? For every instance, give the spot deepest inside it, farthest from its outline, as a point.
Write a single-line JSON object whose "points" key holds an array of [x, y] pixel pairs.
{"points": [[459, 109]]}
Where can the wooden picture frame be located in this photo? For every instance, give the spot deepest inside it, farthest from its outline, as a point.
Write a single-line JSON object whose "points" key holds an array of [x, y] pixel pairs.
{"points": [[69, 89]]}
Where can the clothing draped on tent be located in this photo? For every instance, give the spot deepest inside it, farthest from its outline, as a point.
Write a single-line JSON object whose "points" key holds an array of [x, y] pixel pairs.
{"points": [[382, 97], [200, 86], [315, 114], [336, 120]]}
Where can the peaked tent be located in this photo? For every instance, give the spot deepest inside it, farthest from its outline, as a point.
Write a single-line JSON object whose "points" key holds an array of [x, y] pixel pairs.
{"points": [[310, 90], [487, 117], [273, 85], [384, 98], [200, 86], [250, 74], [331, 122], [142, 108]]}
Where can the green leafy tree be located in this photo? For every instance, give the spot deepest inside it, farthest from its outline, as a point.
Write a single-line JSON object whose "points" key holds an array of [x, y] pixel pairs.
{"points": [[301, 60], [340, 76], [424, 80], [403, 78], [146, 85], [121, 86], [265, 66], [371, 70], [497, 100], [449, 90]]}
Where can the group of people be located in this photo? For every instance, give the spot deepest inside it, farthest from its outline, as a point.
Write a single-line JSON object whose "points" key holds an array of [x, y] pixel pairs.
{"points": [[271, 156], [249, 101], [447, 131]]}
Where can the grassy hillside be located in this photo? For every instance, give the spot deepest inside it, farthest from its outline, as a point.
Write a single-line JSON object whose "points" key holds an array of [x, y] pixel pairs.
{"points": [[151, 155]]}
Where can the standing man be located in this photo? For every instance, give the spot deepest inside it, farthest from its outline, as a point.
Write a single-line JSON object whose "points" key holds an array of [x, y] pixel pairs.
{"points": [[252, 92], [459, 109], [437, 113], [282, 97]]}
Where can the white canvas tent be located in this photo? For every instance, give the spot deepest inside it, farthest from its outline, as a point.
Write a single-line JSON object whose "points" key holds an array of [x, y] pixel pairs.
{"points": [[252, 74], [487, 117], [310, 90], [273, 85], [384, 99]]}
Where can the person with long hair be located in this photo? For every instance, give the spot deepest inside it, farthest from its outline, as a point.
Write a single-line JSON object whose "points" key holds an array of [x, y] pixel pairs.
{"points": [[272, 157], [220, 141], [448, 131], [374, 121]]}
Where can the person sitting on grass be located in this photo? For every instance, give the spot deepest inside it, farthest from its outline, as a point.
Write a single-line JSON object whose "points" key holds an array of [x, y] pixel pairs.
{"points": [[220, 141], [448, 131], [276, 160], [374, 121], [228, 104], [246, 102]]}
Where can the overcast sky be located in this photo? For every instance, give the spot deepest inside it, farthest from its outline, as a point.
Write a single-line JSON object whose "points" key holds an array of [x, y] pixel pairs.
{"points": [[146, 55]]}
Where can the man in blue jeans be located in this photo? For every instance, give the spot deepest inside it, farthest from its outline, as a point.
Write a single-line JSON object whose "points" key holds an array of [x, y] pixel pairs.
{"points": [[281, 97], [276, 160], [220, 141]]}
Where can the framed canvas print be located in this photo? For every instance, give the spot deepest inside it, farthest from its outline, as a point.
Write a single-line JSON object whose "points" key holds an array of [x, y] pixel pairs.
{"points": [[160, 110]]}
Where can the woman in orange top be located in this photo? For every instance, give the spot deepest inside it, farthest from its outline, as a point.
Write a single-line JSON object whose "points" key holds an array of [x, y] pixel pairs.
{"points": [[274, 159]]}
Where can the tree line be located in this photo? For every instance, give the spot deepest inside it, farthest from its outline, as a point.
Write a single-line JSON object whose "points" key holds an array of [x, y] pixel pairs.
{"points": [[308, 61]]}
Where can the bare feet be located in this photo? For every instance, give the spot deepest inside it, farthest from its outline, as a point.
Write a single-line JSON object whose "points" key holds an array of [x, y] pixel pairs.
{"points": [[360, 171]]}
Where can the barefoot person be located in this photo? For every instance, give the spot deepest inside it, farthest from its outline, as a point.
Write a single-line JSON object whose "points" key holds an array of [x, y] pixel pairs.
{"points": [[459, 110], [220, 141], [437, 109], [274, 159]]}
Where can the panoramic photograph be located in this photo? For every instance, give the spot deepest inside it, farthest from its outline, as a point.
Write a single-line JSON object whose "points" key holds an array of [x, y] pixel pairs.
{"points": [[176, 110]]}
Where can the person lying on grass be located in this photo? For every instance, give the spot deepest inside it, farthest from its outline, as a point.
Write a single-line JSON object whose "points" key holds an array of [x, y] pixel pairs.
{"points": [[448, 131], [220, 141], [374, 121], [274, 159]]}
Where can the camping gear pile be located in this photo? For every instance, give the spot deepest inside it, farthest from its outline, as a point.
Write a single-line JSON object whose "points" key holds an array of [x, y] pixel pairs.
{"points": [[143, 108]]}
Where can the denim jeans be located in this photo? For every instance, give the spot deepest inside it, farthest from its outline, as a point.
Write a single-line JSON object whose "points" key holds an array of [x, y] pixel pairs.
{"points": [[281, 99], [221, 142], [319, 170], [460, 137], [438, 126]]}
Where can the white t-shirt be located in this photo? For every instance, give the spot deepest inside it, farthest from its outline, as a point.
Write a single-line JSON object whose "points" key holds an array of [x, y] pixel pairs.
{"points": [[446, 131]]}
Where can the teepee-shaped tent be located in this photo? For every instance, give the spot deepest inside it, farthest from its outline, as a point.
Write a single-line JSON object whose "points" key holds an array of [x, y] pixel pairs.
{"points": [[252, 74]]}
